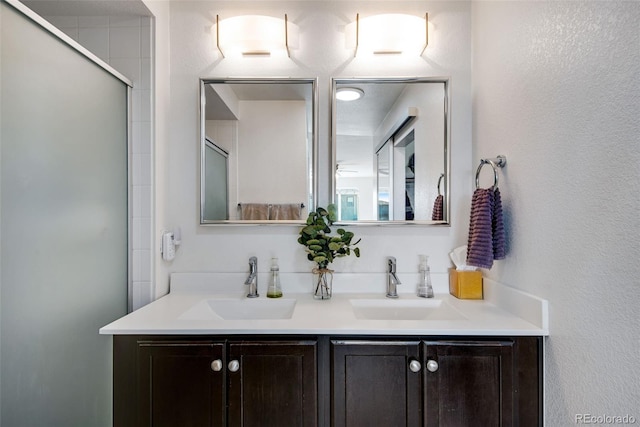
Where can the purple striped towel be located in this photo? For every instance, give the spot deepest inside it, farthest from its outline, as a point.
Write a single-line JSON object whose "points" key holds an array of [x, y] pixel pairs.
{"points": [[497, 228], [486, 229], [438, 208], [480, 243]]}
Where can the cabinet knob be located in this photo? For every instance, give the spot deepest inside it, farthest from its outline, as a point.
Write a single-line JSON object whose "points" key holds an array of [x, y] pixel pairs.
{"points": [[415, 366], [216, 365], [234, 365], [432, 366]]}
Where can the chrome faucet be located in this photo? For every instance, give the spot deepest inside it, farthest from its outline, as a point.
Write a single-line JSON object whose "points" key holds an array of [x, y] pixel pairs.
{"points": [[392, 279], [252, 280]]}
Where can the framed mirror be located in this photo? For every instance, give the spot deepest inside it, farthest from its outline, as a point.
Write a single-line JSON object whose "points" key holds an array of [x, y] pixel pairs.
{"points": [[258, 150], [390, 147]]}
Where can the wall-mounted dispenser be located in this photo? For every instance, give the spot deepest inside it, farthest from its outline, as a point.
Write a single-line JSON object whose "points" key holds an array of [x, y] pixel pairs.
{"points": [[170, 239]]}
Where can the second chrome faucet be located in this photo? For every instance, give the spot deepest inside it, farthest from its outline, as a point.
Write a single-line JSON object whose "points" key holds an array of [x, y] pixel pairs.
{"points": [[252, 280], [392, 279]]}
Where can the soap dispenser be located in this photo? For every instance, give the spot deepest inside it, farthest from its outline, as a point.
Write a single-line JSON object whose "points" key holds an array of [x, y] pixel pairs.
{"points": [[425, 290], [274, 290]]}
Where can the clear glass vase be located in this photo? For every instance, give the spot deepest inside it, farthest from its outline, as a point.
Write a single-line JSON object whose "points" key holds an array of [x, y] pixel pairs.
{"points": [[322, 283]]}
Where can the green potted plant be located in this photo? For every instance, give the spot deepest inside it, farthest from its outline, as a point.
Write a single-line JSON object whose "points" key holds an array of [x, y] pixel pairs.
{"points": [[322, 248]]}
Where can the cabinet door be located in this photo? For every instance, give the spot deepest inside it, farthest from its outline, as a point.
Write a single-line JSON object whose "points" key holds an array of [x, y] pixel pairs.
{"points": [[272, 384], [372, 384], [179, 384], [469, 384]]}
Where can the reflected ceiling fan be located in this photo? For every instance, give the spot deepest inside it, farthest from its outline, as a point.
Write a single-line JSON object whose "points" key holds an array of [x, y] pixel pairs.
{"points": [[342, 169]]}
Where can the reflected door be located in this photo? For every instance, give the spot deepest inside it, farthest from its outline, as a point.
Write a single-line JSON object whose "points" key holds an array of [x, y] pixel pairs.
{"points": [[348, 207], [383, 177], [215, 186]]}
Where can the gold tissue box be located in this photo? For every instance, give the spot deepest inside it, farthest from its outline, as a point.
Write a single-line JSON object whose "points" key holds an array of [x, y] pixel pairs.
{"points": [[465, 284]]}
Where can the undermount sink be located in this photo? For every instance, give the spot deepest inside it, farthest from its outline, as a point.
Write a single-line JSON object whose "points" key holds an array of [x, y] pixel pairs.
{"points": [[399, 309], [242, 309]]}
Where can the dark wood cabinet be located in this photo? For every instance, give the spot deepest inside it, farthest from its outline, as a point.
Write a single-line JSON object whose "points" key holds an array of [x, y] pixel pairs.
{"points": [[483, 382], [177, 385], [469, 383], [275, 384], [311, 381], [373, 385], [174, 381], [436, 383]]}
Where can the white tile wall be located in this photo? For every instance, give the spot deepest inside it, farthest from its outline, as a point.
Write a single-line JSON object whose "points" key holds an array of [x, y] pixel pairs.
{"points": [[125, 43], [97, 38]]}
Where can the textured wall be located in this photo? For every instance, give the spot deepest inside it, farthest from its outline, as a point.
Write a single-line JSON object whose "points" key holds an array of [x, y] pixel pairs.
{"points": [[556, 89]]}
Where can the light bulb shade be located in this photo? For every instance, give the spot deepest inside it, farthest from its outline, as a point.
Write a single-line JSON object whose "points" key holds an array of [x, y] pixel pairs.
{"points": [[256, 35], [388, 34], [349, 93]]}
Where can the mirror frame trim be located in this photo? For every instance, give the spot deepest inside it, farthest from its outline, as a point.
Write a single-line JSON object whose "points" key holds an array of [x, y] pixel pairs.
{"points": [[314, 143], [447, 144]]}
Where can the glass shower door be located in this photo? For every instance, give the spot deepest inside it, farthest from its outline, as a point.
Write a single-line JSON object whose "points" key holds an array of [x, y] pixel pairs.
{"points": [[63, 227]]}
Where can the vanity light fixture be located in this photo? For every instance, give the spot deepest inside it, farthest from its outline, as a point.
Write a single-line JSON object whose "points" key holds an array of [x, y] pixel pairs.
{"points": [[389, 34], [349, 93], [255, 35]]}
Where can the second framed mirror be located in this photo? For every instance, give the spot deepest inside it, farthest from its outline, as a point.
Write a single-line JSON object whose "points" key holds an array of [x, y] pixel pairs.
{"points": [[390, 147]]}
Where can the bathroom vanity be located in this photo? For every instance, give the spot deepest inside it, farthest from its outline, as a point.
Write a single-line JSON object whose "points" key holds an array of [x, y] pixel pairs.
{"points": [[326, 380], [220, 359]]}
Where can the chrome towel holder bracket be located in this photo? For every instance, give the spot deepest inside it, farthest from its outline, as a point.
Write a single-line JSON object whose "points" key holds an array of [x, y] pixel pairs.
{"points": [[496, 162]]}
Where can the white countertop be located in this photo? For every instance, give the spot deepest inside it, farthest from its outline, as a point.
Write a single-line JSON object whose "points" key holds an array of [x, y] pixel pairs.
{"points": [[505, 311]]}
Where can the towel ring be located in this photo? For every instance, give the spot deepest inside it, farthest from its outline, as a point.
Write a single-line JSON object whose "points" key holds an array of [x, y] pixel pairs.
{"points": [[439, 182], [495, 163]]}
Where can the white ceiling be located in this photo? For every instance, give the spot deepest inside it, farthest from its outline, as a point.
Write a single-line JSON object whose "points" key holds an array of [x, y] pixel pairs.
{"points": [[363, 116], [216, 109], [356, 123]]}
